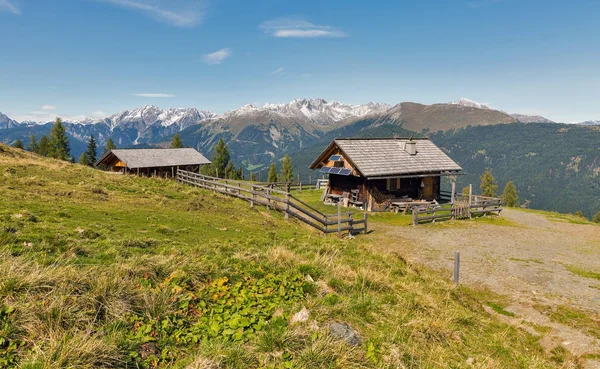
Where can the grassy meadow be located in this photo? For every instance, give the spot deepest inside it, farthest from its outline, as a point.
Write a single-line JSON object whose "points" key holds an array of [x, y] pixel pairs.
{"points": [[107, 271]]}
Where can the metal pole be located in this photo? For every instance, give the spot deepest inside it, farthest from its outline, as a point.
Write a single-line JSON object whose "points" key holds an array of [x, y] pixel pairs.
{"points": [[456, 268]]}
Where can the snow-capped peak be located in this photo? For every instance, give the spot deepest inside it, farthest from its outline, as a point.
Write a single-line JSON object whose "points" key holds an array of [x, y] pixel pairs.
{"points": [[315, 110], [469, 103]]}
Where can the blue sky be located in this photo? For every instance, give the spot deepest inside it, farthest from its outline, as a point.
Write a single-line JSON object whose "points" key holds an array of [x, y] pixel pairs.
{"points": [[95, 57]]}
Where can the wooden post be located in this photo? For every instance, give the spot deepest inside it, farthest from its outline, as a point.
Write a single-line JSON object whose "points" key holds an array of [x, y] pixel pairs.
{"points": [[268, 198], [456, 268], [415, 215], [453, 192], [366, 221], [339, 219], [252, 197], [350, 224], [287, 205], [325, 226], [172, 172], [300, 188]]}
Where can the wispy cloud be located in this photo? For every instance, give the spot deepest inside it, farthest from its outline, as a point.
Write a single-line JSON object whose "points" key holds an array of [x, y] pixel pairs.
{"points": [[49, 107], [277, 72], [146, 94], [179, 13], [8, 6], [298, 28], [217, 57]]}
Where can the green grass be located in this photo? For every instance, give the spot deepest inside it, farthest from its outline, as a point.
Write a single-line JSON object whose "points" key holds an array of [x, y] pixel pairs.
{"points": [[499, 308], [537, 261], [572, 317], [582, 272], [560, 217], [102, 270]]}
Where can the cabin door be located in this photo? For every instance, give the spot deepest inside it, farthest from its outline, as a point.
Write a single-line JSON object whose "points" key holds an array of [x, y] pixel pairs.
{"points": [[428, 189]]}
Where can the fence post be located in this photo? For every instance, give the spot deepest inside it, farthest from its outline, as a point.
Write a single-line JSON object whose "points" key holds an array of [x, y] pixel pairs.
{"points": [[300, 188], [456, 268], [339, 219], [351, 224], [268, 198], [287, 205], [252, 197], [453, 193], [415, 215], [470, 201], [366, 221]]}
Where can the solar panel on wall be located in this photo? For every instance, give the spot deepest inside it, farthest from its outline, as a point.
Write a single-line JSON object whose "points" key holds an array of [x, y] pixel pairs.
{"points": [[345, 172], [325, 169], [335, 158]]}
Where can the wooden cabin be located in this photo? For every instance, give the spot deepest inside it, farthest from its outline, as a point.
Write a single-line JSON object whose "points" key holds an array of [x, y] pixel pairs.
{"points": [[376, 173], [152, 162]]}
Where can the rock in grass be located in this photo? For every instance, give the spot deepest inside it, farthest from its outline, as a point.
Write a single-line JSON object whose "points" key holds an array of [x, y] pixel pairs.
{"points": [[300, 316], [344, 332]]}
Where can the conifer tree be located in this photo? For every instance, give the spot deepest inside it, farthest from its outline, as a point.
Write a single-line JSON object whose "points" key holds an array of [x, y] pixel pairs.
{"points": [[240, 173], [253, 177], [59, 142], [18, 144], [230, 171], [44, 146], [83, 159], [488, 184], [287, 170], [110, 145], [272, 173], [91, 151], [33, 145], [509, 195], [176, 143], [220, 159]]}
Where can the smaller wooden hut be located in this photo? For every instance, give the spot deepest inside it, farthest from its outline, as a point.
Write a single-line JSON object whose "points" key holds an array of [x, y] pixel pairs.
{"points": [[152, 162], [377, 173]]}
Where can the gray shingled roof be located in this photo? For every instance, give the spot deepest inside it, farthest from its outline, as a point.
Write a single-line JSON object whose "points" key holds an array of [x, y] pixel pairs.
{"points": [[387, 157], [148, 158]]}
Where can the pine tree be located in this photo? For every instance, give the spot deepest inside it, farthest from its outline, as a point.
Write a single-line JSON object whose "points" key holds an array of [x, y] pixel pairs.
{"points": [[33, 145], [287, 169], [509, 195], [59, 142], [240, 173], [230, 171], [18, 144], [272, 173], [220, 159], [44, 146], [488, 184], [253, 177], [83, 159], [176, 143], [596, 218], [91, 151], [110, 145]]}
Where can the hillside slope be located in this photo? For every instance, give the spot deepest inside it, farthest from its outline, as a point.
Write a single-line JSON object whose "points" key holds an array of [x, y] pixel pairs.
{"points": [[103, 270]]}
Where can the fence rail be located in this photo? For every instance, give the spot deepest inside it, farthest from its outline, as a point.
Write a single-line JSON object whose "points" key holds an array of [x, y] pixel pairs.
{"points": [[274, 198], [464, 208]]}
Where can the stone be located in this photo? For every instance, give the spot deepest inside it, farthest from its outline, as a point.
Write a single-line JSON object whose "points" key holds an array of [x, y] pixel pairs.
{"points": [[300, 316], [343, 331]]}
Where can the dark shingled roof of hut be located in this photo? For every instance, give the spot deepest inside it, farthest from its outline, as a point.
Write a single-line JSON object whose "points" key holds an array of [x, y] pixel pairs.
{"points": [[388, 156], [153, 158]]}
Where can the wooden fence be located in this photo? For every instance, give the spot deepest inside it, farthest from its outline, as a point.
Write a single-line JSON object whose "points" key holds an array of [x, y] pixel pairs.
{"points": [[277, 199], [464, 207]]}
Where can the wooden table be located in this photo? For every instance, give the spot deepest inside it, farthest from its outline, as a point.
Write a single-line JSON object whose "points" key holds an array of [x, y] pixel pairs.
{"points": [[334, 197], [405, 205]]}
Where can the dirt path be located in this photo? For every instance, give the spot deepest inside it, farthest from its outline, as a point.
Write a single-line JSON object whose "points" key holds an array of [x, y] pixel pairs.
{"points": [[527, 260]]}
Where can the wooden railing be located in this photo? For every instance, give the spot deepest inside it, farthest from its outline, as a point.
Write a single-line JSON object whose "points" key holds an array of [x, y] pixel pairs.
{"points": [[277, 199], [463, 208]]}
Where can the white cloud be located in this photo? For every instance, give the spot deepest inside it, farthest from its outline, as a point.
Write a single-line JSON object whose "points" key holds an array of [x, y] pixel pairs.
{"points": [[8, 6], [145, 94], [217, 57], [49, 107], [277, 72], [179, 13], [297, 28]]}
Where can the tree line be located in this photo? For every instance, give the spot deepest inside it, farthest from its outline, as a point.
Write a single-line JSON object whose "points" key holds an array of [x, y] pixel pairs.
{"points": [[222, 166], [56, 145]]}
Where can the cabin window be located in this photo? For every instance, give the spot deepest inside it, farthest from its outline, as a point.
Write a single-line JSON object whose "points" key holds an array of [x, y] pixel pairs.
{"points": [[392, 184]]}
